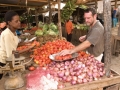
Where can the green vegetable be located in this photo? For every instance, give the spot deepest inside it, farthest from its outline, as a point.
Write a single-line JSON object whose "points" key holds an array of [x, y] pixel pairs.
{"points": [[53, 27], [40, 25], [51, 32], [39, 32], [45, 27]]}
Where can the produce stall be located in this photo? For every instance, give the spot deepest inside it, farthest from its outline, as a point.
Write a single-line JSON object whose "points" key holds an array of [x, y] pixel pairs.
{"points": [[81, 73]]}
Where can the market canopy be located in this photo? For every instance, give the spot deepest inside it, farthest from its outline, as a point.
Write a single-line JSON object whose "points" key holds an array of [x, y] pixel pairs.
{"points": [[21, 5]]}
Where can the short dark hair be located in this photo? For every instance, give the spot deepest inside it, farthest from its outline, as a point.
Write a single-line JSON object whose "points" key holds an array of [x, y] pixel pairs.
{"points": [[9, 15], [92, 10]]}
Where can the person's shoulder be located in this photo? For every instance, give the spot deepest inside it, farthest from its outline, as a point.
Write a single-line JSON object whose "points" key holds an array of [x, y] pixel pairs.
{"points": [[6, 31]]}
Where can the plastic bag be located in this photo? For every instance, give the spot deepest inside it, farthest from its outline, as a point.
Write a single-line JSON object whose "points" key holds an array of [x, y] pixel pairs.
{"points": [[40, 79], [33, 78]]}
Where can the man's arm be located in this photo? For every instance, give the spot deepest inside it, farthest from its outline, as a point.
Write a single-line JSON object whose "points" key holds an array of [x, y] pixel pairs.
{"points": [[78, 48], [81, 47]]}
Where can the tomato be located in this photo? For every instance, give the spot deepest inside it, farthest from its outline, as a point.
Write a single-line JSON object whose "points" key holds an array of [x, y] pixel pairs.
{"points": [[31, 68]]}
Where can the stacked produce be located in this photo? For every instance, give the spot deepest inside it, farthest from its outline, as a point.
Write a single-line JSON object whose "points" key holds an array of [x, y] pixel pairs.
{"points": [[66, 57], [45, 38], [41, 55], [79, 70], [81, 26], [34, 43], [50, 29]]}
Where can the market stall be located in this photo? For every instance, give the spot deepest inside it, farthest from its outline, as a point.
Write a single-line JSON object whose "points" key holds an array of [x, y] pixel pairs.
{"points": [[81, 72]]}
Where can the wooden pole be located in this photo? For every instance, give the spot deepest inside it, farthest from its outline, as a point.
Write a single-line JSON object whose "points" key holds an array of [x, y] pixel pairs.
{"points": [[50, 14], [36, 18], [107, 27], [116, 3], [59, 20], [96, 4]]}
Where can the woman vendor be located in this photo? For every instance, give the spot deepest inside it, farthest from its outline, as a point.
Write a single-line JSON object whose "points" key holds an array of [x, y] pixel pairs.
{"points": [[9, 40]]}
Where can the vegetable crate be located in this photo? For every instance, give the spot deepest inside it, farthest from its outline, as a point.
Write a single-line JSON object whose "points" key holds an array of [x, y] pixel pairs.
{"points": [[97, 85]]}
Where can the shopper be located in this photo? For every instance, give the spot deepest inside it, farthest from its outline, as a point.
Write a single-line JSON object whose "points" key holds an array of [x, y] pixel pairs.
{"points": [[114, 18], [9, 40], [93, 42], [69, 29]]}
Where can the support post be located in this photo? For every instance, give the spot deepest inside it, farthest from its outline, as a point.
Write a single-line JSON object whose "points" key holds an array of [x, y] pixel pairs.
{"points": [[50, 14], [116, 3], [59, 20], [107, 27], [96, 4]]}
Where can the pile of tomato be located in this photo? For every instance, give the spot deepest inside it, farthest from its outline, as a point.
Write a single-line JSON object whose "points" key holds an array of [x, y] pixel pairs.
{"points": [[22, 47], [41, 55], [68, 56]]}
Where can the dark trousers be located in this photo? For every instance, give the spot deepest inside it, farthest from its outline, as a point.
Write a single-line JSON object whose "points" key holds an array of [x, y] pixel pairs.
{"points": [[69, 37]]}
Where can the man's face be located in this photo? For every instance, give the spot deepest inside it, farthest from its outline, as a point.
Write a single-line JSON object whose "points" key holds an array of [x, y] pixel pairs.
{"points": [[89, 18]]}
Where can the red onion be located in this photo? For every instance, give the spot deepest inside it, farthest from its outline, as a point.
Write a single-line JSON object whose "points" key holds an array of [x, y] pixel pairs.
{"points": [[95, 70], [64, 78], [85, 59], [91, 67], [90, 80], [85, 80], [56, 69], [72, 62], [61, 74], [67, 63], [61, 68], [89, 58], [83, 65], [101, 73], [66, 67], [71, 70], [95, 75], [67, 73], [69, 78], [56, 78], [90, 73], [58, 65], [77, 73], [74, 78], [79, 81], [73, 82], [72, 73]]}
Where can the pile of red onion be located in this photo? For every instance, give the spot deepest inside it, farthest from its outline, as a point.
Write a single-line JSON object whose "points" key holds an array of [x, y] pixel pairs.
{"points": [[78, 70]]}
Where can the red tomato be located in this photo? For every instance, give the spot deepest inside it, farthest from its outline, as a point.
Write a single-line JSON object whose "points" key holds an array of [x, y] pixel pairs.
{"points": [[31, 68]]}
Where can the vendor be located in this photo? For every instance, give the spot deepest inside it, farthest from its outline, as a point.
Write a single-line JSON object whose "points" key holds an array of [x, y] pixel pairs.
{"points": [[93, 42], [9, 40], [69, 29]]}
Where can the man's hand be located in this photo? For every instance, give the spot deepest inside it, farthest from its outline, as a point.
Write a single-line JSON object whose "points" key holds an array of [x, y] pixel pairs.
{"points": [[65, 52], [82, 38]]}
